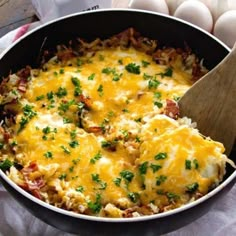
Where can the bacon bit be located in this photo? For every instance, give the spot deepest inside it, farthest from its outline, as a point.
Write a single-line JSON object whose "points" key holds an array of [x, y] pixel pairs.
{"points": [[36, 184], [128, 213], [140, 94], [94, 129], [197, 72], [22, 85], [32, 186], [65, 55], [3, 85], [24, 73], [198, 195], [171, 109], [86, 100], [141, 210], [31, 168], [165, 56], [24, 186], [6, 136], [37, 194]]}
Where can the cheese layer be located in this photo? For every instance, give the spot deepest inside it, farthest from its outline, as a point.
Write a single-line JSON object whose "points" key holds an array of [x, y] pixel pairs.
{"points": [[101, 141]]}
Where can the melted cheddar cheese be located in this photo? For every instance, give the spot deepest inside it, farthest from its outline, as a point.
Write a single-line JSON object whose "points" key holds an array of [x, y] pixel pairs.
{"points": [[96, 129]]}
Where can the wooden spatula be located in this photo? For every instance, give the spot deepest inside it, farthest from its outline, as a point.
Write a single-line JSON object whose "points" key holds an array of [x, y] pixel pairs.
{"points": [[211, 102]]}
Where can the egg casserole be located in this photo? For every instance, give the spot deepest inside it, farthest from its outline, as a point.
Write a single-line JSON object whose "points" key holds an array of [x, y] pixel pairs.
{"points": [[96, 129]]}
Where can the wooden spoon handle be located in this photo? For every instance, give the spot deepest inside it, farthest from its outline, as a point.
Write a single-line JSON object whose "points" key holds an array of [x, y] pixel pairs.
{"points": [[211, 102]]}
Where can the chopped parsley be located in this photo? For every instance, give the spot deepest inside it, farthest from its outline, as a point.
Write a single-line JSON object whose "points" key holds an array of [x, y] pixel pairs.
{"points": [[50, 96], [192, 188], [160, 179], [106, 144], [157, 95], [108, 70], [158, 104], [61, 71], [6, 165], [145, 63], [39, 98], [153, 83], [172, 196], [46, 130], [125, 110], [64, 106], [73, 134], [138, 119], [80, 189], [188, 165], [28, 111], [137, 139], [61, 92], [176, 98], [168, 73], [133, 68], [76, 82], [161, 156], [120, 61], [96, 179], [116, 77], [155, 168], [79, 62], [143, 168], [74, 144], [65, 149], [125, 133], [133, 196], [66, 120], [195, 163], [96, 206], [127, 175], [91, 77], [147, 76], [100, 90], [23, 123], [75, 161], [113, 72], [62, 176], [117, 181], [48, 155], [13, 143], [96, 158]]}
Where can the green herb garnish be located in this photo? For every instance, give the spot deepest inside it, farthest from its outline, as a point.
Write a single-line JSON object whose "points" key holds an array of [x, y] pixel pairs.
{"points": [[160, 179], [161, 156], [133, 68], [127, 175], [6, 165], [191, 188]]}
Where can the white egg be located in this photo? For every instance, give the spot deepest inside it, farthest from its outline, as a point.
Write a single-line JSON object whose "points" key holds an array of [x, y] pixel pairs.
{"points": [[225, 28], [217, 8], [232, 4], [195, 12], [150, 5], [172, 5]]}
